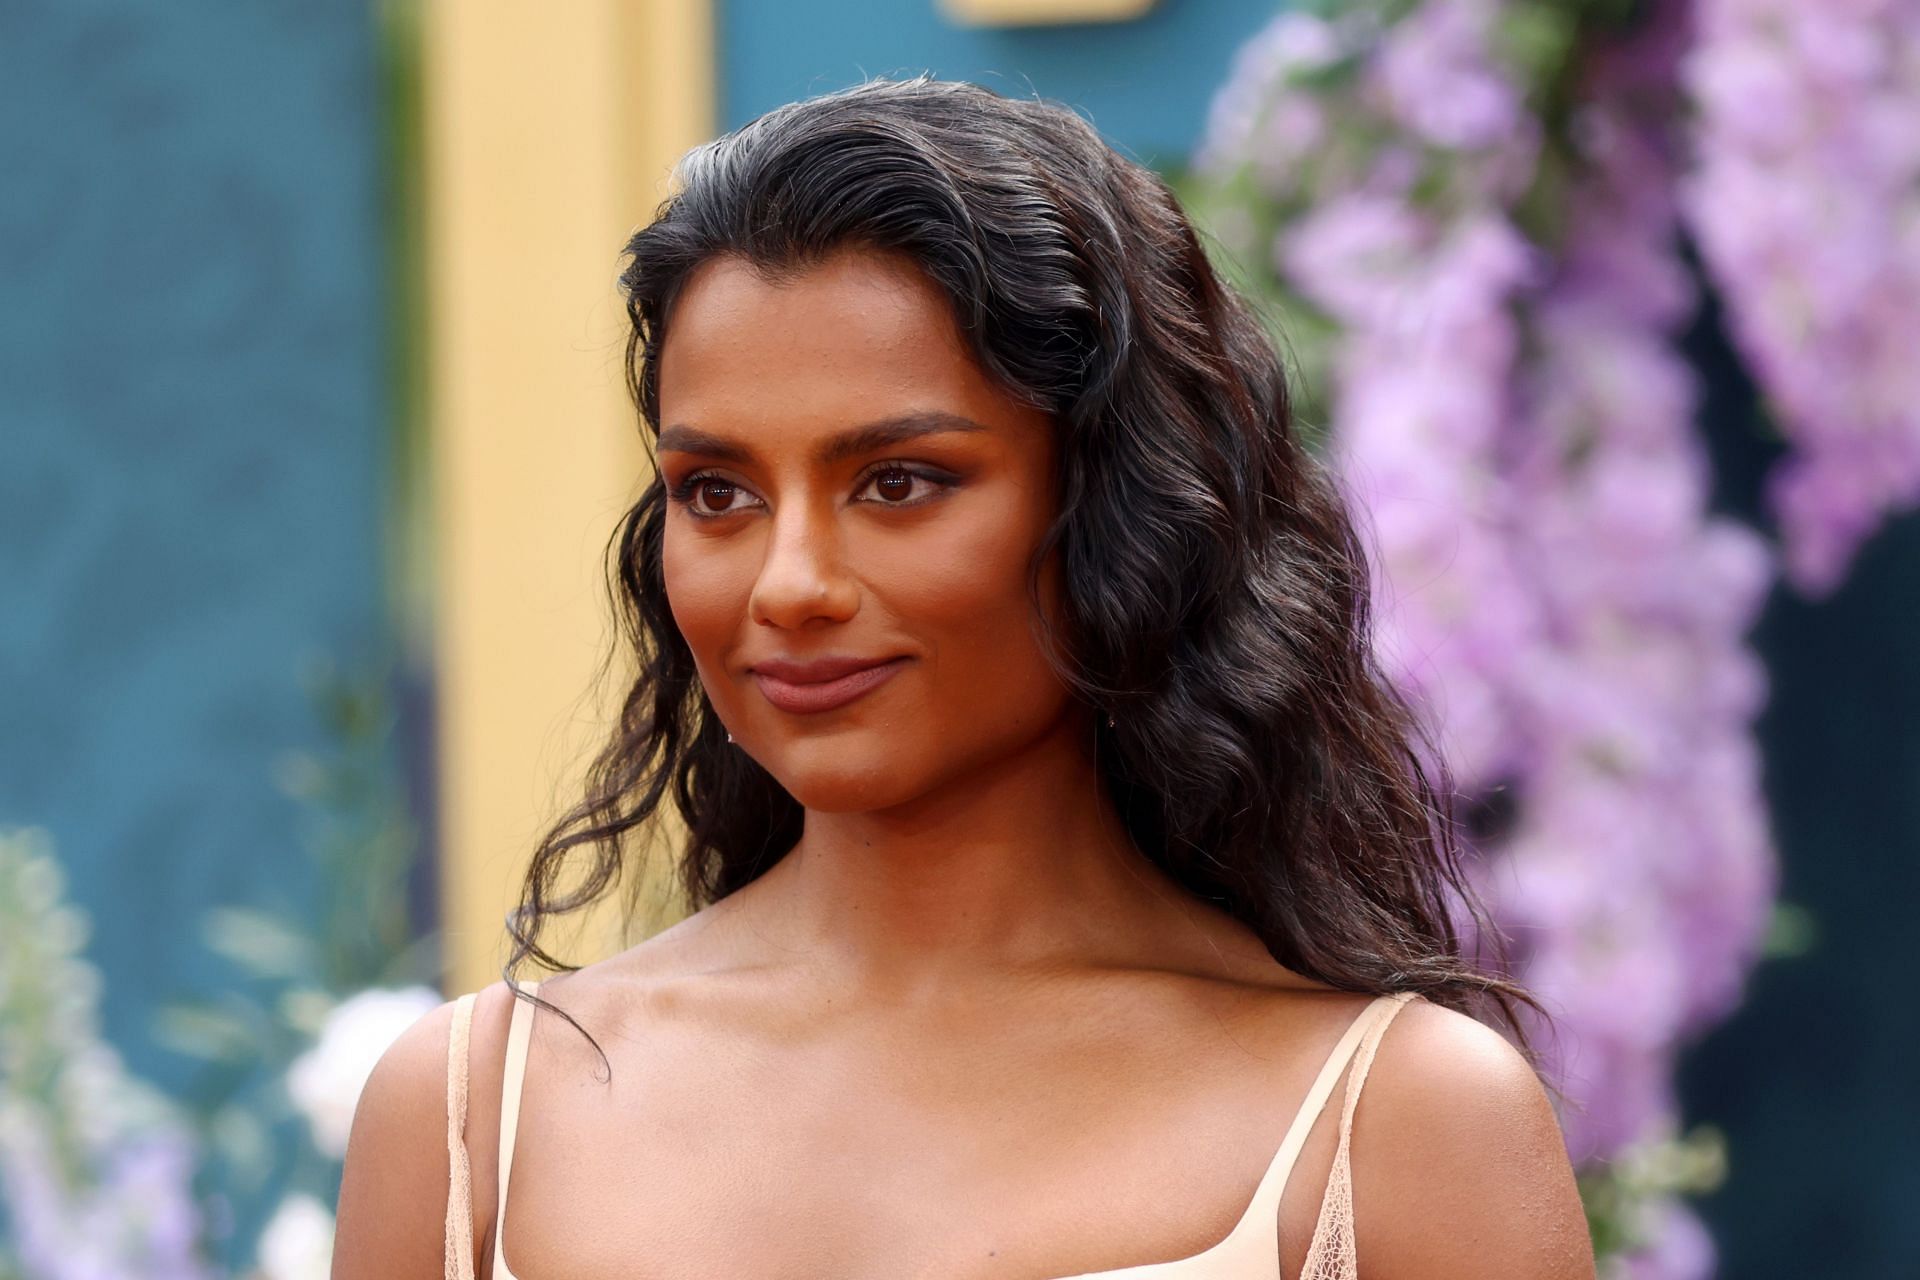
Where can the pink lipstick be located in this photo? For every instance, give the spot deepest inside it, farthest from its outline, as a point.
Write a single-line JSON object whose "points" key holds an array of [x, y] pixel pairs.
{"points": [[823, 684]]}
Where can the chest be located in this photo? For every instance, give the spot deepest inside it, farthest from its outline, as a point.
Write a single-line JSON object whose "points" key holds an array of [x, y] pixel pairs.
{"points": [[860, 1164]]}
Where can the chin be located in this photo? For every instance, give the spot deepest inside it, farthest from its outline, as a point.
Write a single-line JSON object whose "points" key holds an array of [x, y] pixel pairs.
{"points": [[829, 776]]}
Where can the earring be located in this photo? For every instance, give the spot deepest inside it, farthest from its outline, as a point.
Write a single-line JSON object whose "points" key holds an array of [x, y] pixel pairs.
{"points": [[729, 735], [1110, 723]]}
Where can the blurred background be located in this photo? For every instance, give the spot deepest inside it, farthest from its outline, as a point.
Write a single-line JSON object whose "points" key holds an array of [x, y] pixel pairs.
{"points": [[310, 395]]}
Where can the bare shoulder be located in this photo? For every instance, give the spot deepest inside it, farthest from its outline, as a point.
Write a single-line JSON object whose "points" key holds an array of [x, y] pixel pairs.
{"points": [[1459, 1165], [394, 1188]]}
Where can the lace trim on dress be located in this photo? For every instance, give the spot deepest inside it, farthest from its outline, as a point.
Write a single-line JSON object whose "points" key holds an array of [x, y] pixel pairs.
{"points": [[1332, 1255]]}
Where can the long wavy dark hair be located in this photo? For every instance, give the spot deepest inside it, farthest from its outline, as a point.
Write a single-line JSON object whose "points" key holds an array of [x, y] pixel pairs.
{"points": [[1215, 591]]}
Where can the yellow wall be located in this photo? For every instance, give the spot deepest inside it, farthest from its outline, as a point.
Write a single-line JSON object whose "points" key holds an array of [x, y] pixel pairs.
{"points": [[549, 132]]}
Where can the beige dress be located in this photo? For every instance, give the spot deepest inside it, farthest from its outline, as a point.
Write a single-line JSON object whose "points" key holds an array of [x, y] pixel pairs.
{"points": [[1251, 1251]]}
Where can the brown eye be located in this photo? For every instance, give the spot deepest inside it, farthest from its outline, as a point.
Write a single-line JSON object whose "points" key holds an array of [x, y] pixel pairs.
{"points": [[707, 496], [894, 485], [721, 488]]}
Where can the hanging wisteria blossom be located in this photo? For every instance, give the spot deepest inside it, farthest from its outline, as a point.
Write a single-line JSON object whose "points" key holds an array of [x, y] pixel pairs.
{"points": [[1805, 200], [1491, 306]]}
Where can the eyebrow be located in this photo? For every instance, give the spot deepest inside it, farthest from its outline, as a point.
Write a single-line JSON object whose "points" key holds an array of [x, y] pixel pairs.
{"points": [[880, 434]]}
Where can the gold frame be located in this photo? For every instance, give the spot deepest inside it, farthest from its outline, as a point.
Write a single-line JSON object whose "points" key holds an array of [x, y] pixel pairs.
{"points": [[1028, 13]]}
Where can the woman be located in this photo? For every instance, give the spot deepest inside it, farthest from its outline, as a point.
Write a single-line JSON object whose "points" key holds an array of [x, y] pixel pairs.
{"points": [[1061, 858]]}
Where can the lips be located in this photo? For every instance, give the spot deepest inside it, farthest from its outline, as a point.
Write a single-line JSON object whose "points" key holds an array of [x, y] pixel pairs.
{"points": [[823, 684]]}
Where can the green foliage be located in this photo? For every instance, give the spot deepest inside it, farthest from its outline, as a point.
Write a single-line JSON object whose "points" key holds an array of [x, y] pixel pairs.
{"points": [[1792, 931], [1538, 39], [1620, 1194]]}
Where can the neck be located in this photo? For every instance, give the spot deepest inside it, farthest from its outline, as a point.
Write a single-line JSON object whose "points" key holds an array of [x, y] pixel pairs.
{"points": [[1020, 865]]}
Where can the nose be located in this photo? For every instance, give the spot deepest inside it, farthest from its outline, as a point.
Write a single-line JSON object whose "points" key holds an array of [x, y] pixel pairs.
{"points": [[804, 579]]}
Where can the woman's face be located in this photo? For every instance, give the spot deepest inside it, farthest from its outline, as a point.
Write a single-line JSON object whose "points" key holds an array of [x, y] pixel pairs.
{"points": [[848, 484]]}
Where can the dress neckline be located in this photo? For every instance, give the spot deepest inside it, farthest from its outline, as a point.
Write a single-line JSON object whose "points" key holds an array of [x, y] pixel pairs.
{"points": [[1258, 1222]]}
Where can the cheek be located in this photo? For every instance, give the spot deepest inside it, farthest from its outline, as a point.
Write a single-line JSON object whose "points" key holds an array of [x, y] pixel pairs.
{"points": [[963, 597], [708, 596]]}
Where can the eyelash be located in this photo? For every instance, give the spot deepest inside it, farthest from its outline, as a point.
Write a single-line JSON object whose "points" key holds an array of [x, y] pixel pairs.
{"points": [[683, 492]]}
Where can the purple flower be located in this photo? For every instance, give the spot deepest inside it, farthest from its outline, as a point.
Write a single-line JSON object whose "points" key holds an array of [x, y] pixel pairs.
{"points": [[1678, 1247], [1514, 428], [1436, 75], [1805, 199]]}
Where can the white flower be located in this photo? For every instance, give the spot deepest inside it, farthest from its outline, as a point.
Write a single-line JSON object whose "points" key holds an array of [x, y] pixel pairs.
{"points": [[325, 1081], [297, 1243]]}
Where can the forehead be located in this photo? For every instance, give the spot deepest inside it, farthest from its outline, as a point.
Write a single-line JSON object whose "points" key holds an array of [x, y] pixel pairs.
{"points": [[858, 333]]}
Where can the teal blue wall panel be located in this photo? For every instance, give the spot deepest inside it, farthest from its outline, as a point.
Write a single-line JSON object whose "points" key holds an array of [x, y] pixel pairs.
{"points": [[193, 423], [1145, 83]]}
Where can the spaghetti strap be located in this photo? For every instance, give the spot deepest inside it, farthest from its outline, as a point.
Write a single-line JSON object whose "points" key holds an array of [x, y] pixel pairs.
{"points": [[518, 1036], [1266, 1203], [459, 1233], [1252, 1248], [1332, 1255]]}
